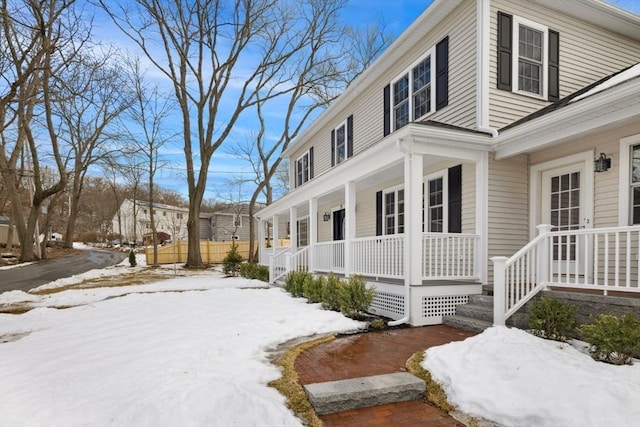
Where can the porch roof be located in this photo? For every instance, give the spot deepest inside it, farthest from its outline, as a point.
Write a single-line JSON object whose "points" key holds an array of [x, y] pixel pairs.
{"points": [[437, 141]]}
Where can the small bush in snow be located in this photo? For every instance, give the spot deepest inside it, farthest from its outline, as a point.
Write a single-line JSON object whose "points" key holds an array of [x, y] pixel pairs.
{"points": [[552, 319], [294, 283], [312, 288], [132, 259], [331, 293], [355, 297], [613, 339], [231, 262], [251, 270]]}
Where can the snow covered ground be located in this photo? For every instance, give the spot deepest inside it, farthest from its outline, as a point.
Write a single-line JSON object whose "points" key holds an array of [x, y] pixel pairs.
{"points": [[516, 379], [192, 351], [188, 358]]}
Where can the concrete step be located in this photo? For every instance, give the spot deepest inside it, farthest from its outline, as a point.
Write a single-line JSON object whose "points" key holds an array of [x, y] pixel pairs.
{"points": [[466, 323], [483, 300], [337, 396], [480, 312]]}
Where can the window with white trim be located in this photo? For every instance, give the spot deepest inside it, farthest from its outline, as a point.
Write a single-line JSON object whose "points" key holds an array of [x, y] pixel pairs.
{"points": [[435, 218], [393, 213], [635, 184], [237, 220], [411, 92], [530, 57], [303, 232], [302, 169], [340, 150]]}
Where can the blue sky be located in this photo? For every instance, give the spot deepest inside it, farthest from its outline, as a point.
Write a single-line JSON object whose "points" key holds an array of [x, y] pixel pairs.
{"points": [[397, 15]]}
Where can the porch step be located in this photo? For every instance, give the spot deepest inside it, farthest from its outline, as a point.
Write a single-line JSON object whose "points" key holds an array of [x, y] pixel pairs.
{"points": [[476, 311], [466, 323], [481, 300], [337, 396]]}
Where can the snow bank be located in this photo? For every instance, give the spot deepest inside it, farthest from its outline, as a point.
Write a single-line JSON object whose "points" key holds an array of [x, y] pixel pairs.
{"points": [[513, 378]]}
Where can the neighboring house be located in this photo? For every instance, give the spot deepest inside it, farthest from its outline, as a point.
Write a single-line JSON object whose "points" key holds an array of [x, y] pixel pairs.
{"points": [[224, 226], [170, 220], [482, 121], [4, 233]]}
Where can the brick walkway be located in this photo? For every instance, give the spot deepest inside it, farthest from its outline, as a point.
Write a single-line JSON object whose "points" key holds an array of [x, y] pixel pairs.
{"points": [[376, 353]]}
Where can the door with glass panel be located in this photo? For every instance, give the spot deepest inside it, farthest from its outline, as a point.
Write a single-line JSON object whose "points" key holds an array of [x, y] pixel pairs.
{"points": [[563, 199]]}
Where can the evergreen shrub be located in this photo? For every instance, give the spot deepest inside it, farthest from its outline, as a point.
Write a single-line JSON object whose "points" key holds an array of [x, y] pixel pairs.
{"points": [[552, 319], [232, 261], [355, 297], [613, 339], [252, 270], [331, 293], [132, 259], [312, 288], [294, 283]]}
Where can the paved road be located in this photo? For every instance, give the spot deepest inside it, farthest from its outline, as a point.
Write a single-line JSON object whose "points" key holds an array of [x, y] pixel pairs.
{"points": [[31, 276]]}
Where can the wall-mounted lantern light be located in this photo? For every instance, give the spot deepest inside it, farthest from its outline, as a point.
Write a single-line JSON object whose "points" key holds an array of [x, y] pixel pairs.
{"points": [[602, 164], [326, 217]]}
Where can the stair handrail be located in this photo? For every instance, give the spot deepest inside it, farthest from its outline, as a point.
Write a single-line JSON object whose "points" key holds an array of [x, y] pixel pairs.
{"points": [[501, 309], [273, 274]]}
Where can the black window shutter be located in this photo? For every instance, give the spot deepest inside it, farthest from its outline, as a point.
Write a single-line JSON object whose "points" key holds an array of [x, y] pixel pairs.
{"points": [[387, 109], [333, 148], [505, 42], [442, 73], [350, 136], [295, 169], [554, 66], [311, 163], [379, 213], [455, 199]]}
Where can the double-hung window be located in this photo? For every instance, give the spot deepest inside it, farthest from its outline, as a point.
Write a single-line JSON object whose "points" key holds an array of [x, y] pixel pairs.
{"points": [[304, 168], [635, 184], [303, 232], [531, 57], [340, 151], [394, 211], [412, 95], [435, 204]]}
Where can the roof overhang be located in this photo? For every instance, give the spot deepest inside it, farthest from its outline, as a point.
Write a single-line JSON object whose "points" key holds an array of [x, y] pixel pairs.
{"points": [[608, 108], [431, 141]]}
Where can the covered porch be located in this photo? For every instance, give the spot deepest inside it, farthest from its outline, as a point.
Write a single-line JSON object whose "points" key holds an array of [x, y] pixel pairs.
{"points": [[371, 216]]}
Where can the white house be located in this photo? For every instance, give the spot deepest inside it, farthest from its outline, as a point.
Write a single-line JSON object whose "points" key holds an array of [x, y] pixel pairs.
{"points": [[133, 220], [481, 124]]}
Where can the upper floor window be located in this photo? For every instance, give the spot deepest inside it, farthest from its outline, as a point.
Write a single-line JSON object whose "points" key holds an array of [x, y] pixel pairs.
{"points": [[419, 90], [342, 142], [635, 184], [304, 167], [528, 57], [237, 220], [412, 93]]}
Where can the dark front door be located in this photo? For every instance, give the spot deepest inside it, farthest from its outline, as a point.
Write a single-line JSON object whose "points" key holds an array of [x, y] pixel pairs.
{"points": [[338, 224]]}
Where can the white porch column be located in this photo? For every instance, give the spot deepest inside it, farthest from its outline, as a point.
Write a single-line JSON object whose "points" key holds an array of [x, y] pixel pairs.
{"points": [[313, 231], [349, 223], [276, 232], [293, 229], [413, 177], [482, 216]]}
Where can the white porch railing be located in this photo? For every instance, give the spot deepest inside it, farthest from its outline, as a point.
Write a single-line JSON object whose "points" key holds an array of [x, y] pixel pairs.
{"points": [[380, 256], [329, 256], [605, 259], [449, 256], [278, 263], [299, 261]]}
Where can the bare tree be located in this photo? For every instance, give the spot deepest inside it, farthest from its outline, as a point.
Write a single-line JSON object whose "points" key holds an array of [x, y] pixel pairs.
{"points": [[96, 94], [320, 80], [40, 38], [223, 58], [147, 115]]}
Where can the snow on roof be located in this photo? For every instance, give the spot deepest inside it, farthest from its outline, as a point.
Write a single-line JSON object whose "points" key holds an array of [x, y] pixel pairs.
{"points": [[622, 77]]}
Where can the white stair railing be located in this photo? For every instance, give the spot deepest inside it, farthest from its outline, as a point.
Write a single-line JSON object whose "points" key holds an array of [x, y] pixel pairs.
{"points": [[299, 261], [605, 259], [278, 264]]}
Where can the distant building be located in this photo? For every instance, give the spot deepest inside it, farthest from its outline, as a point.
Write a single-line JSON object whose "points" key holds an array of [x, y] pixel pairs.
{"points": [[133, 220]]}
